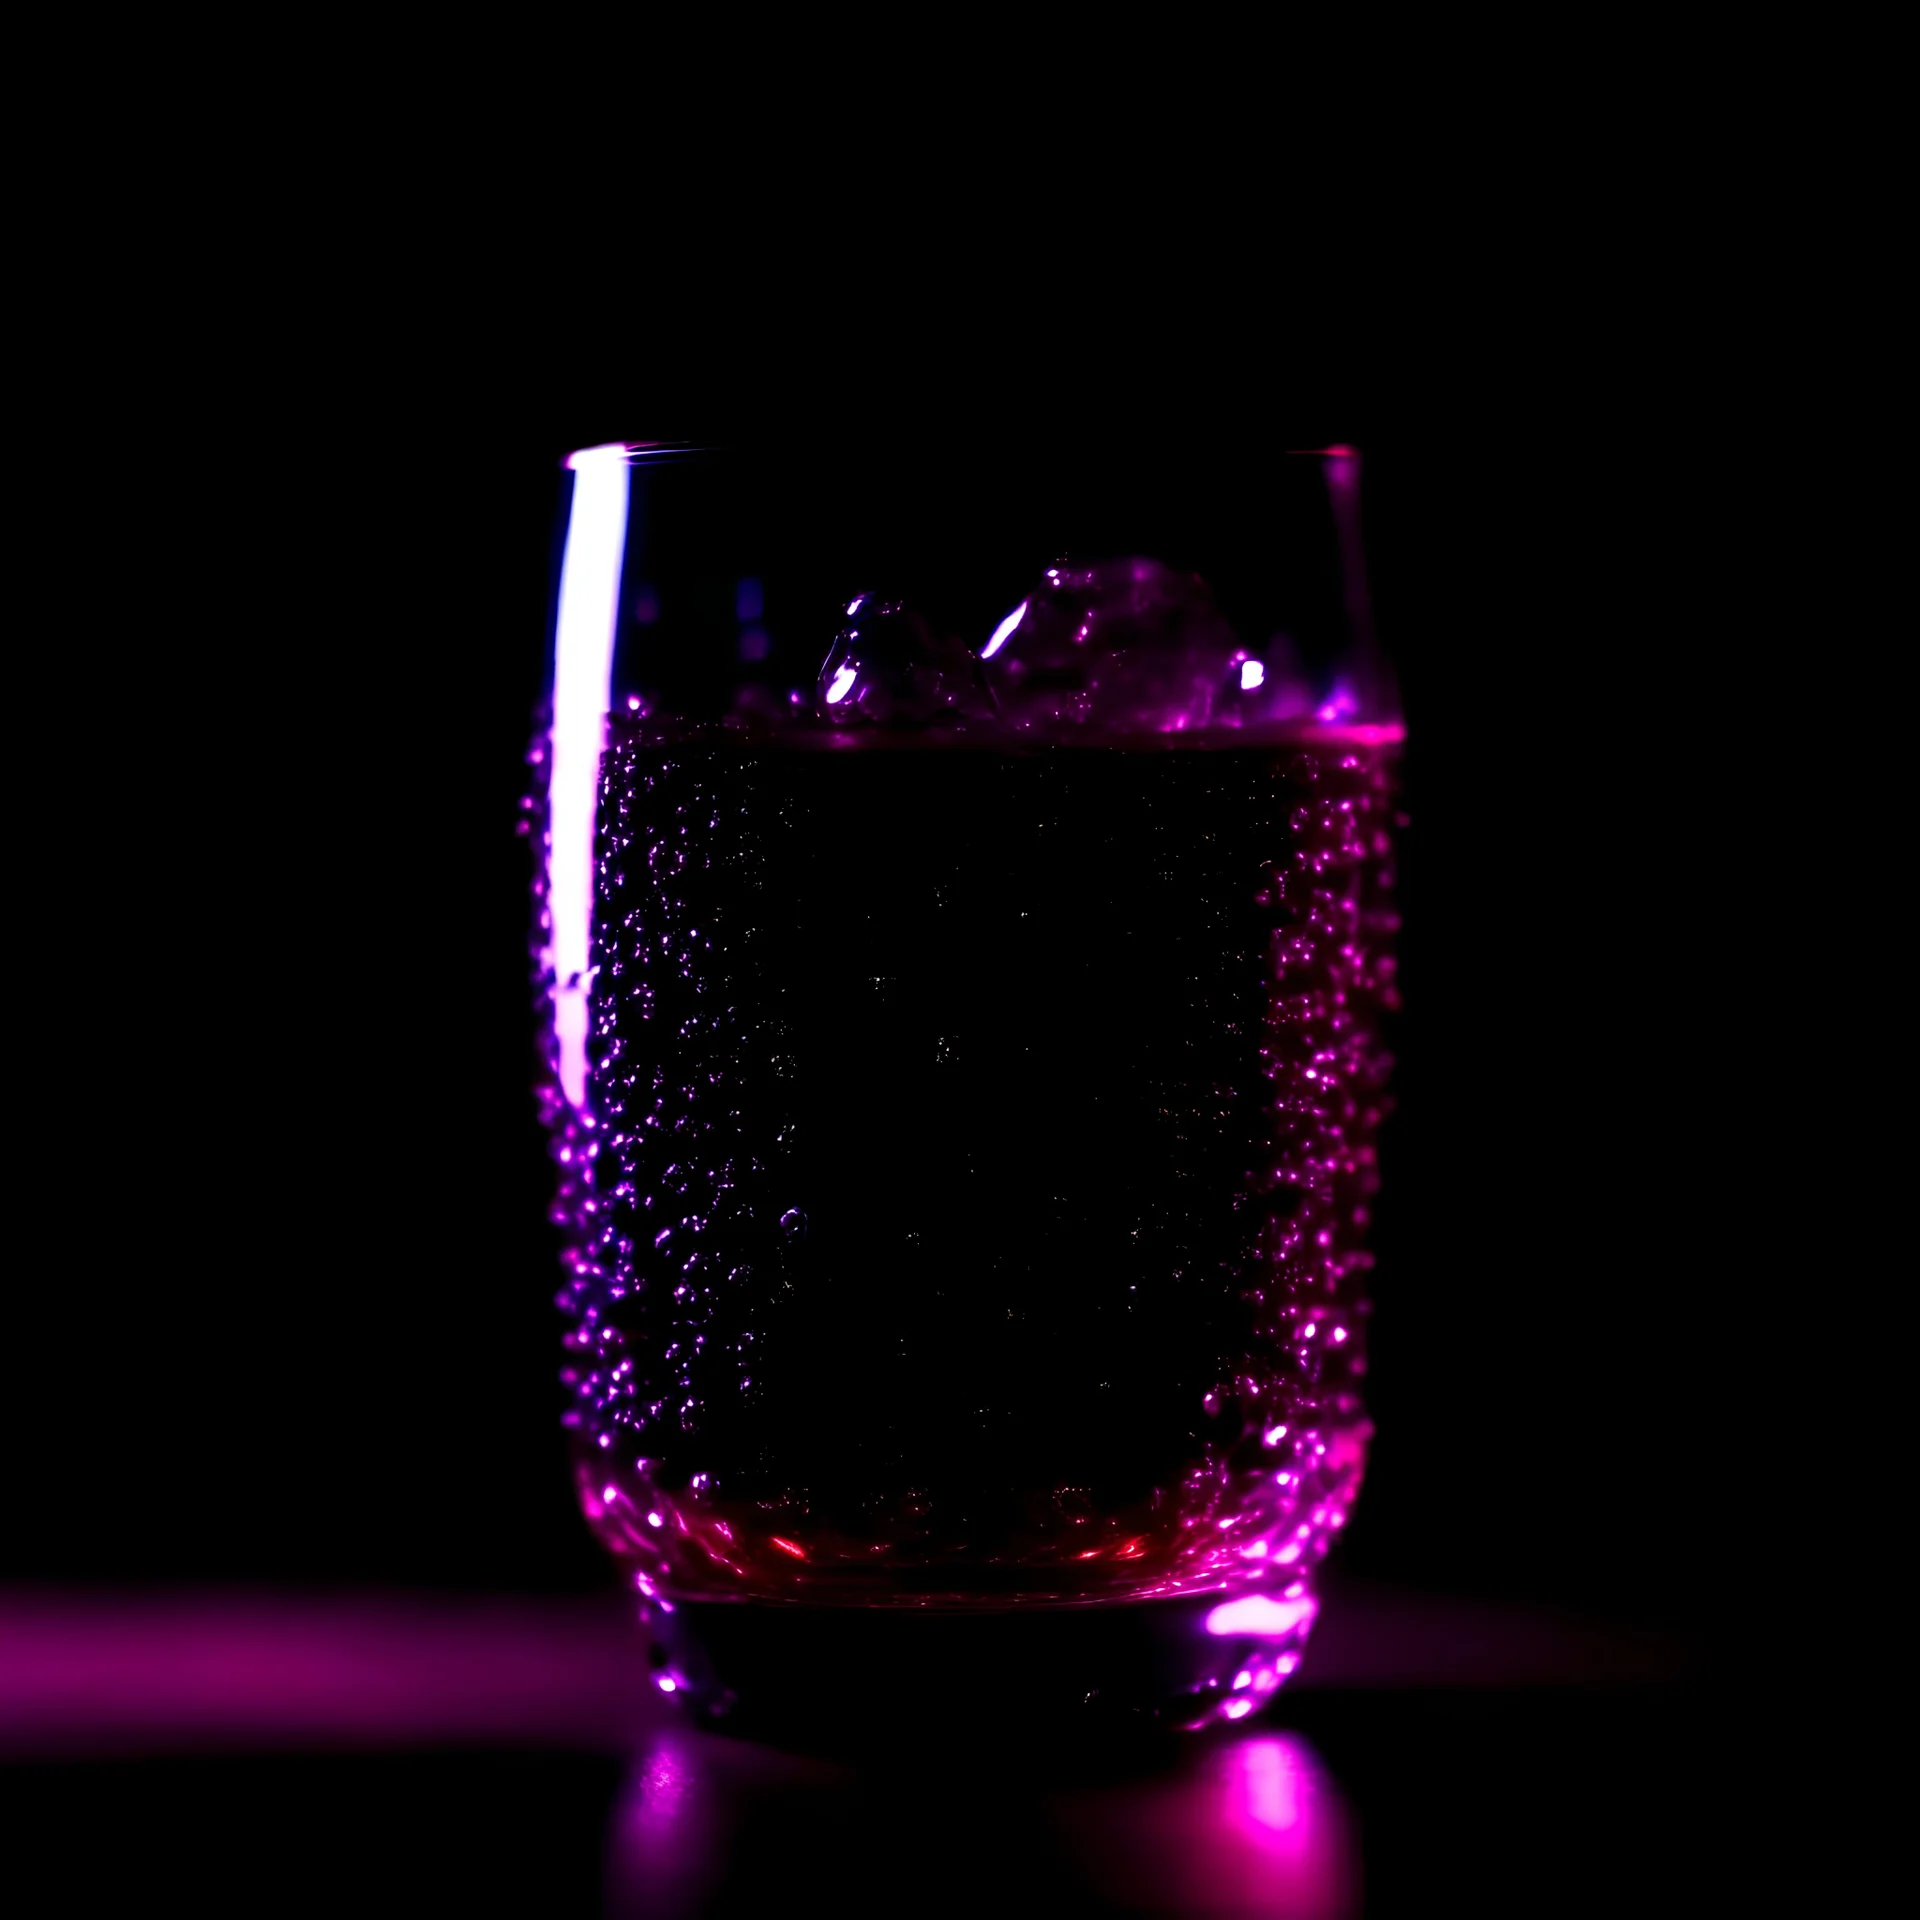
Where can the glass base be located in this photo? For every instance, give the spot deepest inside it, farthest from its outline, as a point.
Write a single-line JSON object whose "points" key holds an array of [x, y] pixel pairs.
{"points": [[836, 1678]]}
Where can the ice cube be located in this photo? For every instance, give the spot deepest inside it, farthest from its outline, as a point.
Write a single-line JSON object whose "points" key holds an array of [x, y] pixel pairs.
{"points": [[887, 668], [1125, 647]]}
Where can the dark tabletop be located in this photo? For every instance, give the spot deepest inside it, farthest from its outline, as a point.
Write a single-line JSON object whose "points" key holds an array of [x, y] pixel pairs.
{"points": [[415, 1753]]}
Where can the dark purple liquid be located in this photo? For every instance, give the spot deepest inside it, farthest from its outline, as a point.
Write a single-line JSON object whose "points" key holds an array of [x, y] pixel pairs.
{"points": [[981, 1156]]}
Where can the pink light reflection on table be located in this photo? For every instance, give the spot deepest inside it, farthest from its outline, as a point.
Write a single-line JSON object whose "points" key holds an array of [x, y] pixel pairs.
{"points": [[1259, 1828], [90, 1675], [1256, 1828]]}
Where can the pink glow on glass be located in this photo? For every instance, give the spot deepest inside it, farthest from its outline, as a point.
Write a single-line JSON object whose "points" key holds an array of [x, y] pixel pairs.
{"points": [[1362, 733], [1253, 673], [582, 670], [1004, 631], [842, 683], [1260, 1614], [1339, 705]]}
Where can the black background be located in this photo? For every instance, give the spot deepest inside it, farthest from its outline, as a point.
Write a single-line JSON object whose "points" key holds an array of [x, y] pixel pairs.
{"points": [[288, 1313], [280, 1311]]}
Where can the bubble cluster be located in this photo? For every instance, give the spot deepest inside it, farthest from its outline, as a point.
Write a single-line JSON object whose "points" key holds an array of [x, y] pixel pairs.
{"points": [[970, 1200]]}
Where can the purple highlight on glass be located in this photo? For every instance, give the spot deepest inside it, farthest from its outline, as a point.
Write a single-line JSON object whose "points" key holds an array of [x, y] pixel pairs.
{"points": [[1259, 1614]]}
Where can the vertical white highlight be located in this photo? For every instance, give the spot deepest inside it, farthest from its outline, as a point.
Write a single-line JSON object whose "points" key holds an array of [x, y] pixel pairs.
{"points": [[582, 673], [1004, 631]]}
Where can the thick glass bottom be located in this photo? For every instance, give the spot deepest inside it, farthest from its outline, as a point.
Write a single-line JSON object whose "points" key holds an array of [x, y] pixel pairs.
{"points": [[839, 1678]]}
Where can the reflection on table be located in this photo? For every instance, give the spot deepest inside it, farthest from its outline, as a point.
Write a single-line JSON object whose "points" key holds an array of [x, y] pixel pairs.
{"points": [[1246, 1821]]}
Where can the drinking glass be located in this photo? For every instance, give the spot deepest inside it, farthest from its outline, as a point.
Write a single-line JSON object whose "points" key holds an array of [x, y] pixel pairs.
{"points": [[964, 932]]}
